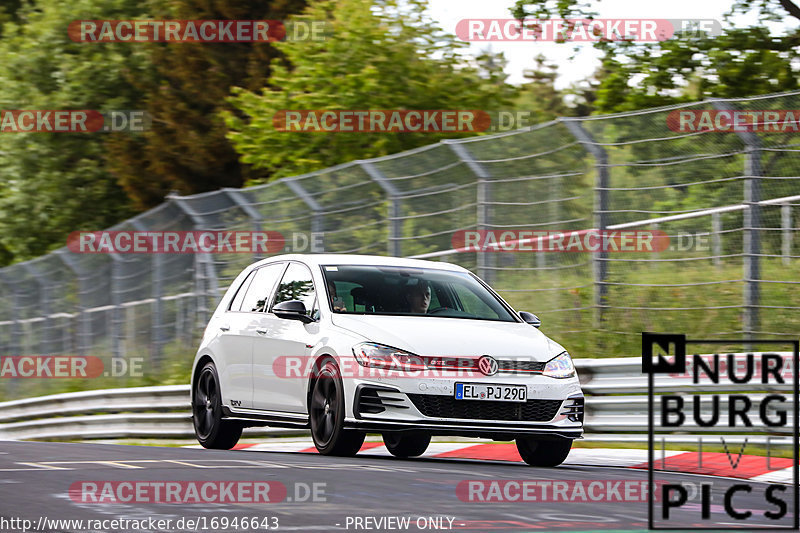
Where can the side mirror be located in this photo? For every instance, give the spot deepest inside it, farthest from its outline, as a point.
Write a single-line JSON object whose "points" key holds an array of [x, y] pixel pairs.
{"points": [[530, 318], [293, 310]]}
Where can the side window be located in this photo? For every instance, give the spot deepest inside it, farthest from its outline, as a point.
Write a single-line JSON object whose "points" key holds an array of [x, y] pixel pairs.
{"points": [[297, 285], [472, 304], [236, 303], [435, 302], [260, 288]]}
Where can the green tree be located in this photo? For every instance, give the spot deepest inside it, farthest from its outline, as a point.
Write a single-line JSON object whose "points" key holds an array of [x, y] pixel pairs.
{"points": [[539, 95], [54, 183], [691, 65], [10, 12], [742, 61], [186, 149], [380, 55]]}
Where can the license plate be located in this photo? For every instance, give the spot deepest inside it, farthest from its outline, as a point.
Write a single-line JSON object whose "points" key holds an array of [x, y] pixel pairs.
{"points": [[495, 393]]}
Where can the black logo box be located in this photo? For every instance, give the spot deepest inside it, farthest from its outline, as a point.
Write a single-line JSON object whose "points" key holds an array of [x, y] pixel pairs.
{"points": [[677, 365]]}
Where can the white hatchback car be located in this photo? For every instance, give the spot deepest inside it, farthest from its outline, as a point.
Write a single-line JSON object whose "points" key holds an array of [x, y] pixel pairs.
{"points": [[348, 344]]}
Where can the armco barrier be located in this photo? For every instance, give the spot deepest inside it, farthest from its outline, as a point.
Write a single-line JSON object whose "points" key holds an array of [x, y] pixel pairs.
{"points": [[138, 412], [629, 171], [616, 409]]}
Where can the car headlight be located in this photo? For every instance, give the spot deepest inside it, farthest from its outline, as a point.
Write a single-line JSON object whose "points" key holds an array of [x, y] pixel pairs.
{"points": [[375, 355], [559, 367]]}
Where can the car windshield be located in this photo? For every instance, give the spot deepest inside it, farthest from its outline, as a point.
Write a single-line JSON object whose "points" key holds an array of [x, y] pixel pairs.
{"points": [[381, 290]]}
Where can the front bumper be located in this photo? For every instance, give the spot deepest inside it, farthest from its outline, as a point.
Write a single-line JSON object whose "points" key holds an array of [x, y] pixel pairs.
{"points": [[554, 408], [477, 430]]}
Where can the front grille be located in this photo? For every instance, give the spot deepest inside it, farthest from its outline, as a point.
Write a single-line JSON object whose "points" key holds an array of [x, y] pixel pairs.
{"points": [[437, 406], [510, 365]]}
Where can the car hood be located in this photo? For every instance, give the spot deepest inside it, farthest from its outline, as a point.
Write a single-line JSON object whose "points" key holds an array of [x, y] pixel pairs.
{"points": [[452, 337]]}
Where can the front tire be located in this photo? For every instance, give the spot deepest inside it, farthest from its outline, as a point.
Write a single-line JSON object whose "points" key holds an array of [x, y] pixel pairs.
{"points": [[407, 443], [211, 429], [543, 452], [326, 413]]}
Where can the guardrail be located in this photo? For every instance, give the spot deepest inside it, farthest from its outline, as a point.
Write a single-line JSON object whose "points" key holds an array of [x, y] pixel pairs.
{"points": [[616, 409], [137, 412]]}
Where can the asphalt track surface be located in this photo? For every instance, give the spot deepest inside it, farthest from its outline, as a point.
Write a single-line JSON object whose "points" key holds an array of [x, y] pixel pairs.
{"points": [[35, 479]]}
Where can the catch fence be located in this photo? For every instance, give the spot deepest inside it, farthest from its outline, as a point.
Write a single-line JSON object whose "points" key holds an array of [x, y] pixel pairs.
{"points": [[727, 200]]}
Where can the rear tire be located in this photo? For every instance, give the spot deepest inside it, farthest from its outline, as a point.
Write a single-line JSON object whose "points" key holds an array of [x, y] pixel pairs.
{"points": [[543, 452], [211, 429], [326, 413], [407, 443]]}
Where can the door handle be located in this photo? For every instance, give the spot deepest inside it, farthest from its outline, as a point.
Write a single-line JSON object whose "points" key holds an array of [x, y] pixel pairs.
{"points": [[261, 331], [225, 327]]}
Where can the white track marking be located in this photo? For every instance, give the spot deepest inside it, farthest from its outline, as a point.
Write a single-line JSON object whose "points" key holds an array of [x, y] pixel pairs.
{"points": [[117, 464], [45, 466], [613, 457], [785, 475]]}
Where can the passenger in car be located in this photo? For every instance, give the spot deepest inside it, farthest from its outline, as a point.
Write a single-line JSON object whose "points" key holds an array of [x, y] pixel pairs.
{"points": [[337, 304]]}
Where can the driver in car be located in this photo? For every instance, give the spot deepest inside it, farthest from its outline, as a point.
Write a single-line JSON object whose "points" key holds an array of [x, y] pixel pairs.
{"points": [[418, 297]]}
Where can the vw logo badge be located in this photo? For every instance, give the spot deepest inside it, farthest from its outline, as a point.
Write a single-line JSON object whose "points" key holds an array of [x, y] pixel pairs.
{"points": [[488, 365]]}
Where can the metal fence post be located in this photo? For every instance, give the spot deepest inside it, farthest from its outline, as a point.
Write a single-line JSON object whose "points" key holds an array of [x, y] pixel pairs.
{"points": [[14, 346], [159, 339], [44, 338], [486, 260], [116, 304], [179, 333], [656, 227], [317, 221], [600, 210], [395, 248], [716, 238], [786, 241], [157, 293], [84, 326], [14, 341], [752, 223], [240, 201], [205, 273]]}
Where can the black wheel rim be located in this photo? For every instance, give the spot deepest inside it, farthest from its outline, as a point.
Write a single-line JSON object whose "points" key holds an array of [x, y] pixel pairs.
{"points": [[324, 408], [206, 401]]}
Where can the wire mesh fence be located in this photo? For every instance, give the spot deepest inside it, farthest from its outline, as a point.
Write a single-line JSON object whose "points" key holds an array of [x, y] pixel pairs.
{"points": [[726, 200]]}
